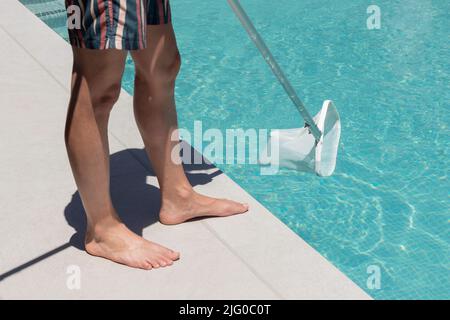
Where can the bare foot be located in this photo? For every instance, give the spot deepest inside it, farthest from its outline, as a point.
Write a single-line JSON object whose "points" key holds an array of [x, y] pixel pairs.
{"points": [[115, 242], [187, 205]]}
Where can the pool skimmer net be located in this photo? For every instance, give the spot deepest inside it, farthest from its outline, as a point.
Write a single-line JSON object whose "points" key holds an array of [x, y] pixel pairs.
{"points": [[312, 148]]}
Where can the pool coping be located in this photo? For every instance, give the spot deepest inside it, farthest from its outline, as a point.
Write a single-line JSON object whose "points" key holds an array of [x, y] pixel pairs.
{"points": [[251, 256]]}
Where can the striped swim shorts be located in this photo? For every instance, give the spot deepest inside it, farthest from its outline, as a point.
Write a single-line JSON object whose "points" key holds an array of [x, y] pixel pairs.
{"points": [[114, 24]]}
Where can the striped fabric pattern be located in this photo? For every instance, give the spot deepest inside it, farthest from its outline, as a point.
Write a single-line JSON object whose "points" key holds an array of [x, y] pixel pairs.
{"points": [[115, 24]]}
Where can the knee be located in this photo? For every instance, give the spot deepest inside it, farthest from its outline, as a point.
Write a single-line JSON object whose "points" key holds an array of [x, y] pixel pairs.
{"points": [[160, 74], [174, 67], [104, 100]]}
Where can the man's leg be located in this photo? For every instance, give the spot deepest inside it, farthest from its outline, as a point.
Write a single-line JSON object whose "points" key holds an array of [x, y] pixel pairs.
{"points": [[155, 112], [96, 83]]}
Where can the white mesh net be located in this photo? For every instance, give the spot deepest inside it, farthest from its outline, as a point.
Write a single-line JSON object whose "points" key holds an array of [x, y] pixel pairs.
{"points": [[298, 149]]}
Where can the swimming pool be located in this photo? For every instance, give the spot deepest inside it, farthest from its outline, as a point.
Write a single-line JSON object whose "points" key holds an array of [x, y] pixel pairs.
{"points": [[388, 203]]}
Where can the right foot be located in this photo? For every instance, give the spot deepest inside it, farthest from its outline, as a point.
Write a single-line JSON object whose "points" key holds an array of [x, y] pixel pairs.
{"points": [[117, 243]]}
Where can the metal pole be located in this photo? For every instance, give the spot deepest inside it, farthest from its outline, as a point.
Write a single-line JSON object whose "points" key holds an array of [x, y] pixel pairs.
{"points": [[274, 66]]}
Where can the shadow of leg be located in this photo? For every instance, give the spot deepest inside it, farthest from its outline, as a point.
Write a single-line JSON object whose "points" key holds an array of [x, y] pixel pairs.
{"points": [[136, 202]]}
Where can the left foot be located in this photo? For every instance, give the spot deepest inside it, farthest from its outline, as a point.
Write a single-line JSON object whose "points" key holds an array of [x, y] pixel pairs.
{"points": [[188, 205]]}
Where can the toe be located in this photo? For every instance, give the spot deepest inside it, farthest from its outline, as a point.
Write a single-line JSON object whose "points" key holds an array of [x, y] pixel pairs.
{"points": [[162, 262], [169, 262], [145, 265], [168, 253], [151, 263], [165, 262], [174, 255], [171, 255], [244, 207], [148, 266], [235, 207]]}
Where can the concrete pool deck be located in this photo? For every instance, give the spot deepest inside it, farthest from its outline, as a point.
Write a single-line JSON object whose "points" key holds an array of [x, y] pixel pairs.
{"points": [[251, 256]]}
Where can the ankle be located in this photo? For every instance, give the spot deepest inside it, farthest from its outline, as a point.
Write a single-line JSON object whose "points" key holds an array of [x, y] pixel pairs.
{"points": [[96, 229], [177, 194]]}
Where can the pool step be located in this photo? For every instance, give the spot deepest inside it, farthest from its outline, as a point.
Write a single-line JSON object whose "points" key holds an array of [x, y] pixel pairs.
{"points": [[52, 12], [45, 8]]}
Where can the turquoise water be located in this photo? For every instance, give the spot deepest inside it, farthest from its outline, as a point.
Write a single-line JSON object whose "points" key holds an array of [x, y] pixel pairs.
{"points": [[388, 203]]}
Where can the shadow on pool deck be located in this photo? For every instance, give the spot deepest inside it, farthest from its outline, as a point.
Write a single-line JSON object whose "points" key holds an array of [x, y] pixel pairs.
{"points": [[136, 201]]}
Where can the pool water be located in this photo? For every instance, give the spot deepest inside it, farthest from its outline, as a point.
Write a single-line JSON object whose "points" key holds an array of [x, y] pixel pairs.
{"points": [[388, 203]]}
